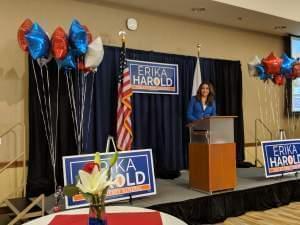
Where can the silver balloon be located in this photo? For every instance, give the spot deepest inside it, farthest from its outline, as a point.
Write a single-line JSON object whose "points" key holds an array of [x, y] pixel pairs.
{"points": [[252, 66]]}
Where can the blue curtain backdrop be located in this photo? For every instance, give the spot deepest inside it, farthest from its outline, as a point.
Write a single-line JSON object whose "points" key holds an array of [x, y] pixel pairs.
{"points": [[159, 121]]}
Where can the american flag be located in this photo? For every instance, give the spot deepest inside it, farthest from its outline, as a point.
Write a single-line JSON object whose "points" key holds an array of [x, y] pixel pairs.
{"points": [[124, 126]]}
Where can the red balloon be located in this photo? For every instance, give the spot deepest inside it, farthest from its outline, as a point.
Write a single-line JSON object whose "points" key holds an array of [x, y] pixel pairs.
{"points": [[88, 34], [278, 79], [82, 67], [59, 43], [24, 29], [296, 70], [272, 64]]}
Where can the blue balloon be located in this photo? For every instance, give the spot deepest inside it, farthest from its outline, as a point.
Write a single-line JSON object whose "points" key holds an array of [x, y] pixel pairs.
{"points": [[78, 38], [261, 72], [68, 62], [287, 64], [38, 42]]}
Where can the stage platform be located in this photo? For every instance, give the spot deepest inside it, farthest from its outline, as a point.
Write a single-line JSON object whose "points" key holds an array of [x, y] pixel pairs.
{"points": [[253, 192], [178, 189]]}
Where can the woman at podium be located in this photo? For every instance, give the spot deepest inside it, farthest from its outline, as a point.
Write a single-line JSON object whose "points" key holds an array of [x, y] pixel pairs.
{"points": [[203, 104]]}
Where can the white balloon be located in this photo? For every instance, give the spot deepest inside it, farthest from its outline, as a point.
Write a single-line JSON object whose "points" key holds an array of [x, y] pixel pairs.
{"points": [[95, 53], [252, 66]]}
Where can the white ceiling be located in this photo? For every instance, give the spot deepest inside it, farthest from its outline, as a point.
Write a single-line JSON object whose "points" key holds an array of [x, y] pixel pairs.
{"points": [[286, 9], [219, 13]]}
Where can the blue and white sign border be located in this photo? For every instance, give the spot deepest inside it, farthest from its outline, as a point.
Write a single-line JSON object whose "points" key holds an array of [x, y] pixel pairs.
{"points": [[265, 143], [107, 153], [156, 92]]}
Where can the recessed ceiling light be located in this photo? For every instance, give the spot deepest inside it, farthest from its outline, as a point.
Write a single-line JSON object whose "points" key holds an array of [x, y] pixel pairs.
{"points": [[198, 10], [239, 18], [279, 27]]}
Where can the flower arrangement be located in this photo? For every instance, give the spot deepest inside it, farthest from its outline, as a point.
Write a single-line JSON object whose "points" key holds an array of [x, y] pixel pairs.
{"points": [[93, 183]]}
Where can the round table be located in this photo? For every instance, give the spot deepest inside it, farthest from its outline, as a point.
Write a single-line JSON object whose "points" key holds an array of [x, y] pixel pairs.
{"points": [[166, 218]]}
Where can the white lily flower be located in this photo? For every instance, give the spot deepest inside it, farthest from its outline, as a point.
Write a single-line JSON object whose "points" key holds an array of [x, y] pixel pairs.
{"points": [[93, 183]]}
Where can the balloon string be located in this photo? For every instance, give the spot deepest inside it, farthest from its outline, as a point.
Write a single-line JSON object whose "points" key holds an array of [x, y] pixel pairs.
{"points": [[52, 153], [53, 149], [77, 104], [40, 101], [56, 118], [272, 105], [265, 113], [75, 113], [287, 109], [277, 110], [57, 103], [90, 109], [80, 110], [82, 107], [50, 110], [46, 108], [71, 106]]}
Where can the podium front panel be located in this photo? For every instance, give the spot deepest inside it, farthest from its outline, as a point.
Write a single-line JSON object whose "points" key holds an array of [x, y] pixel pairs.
{"points": [[221, 131]]}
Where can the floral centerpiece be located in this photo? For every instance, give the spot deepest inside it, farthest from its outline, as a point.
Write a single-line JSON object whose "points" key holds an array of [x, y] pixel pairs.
{"points": [[93, 183]]}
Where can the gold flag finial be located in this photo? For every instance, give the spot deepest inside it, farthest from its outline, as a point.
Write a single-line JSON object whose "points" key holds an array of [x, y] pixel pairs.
{"points": [[122, 34]]}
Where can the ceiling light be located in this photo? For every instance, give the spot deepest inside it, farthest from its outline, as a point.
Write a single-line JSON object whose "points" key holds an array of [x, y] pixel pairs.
{"points": [[198, 10], [240, 18], [279, 27]]}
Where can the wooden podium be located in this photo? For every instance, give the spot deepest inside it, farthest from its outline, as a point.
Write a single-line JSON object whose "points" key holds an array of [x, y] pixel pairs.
{"points": [[212, 160]]}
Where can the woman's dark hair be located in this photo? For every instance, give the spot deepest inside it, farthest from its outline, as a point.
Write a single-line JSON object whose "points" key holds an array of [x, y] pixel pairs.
{"points": [[211, 95]]}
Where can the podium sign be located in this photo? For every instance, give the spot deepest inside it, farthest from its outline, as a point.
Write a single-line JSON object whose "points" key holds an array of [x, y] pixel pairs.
{"points": [[133, 174], [281, 157]]}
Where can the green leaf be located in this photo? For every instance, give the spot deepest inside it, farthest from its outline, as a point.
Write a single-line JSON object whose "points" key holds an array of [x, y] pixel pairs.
{"points": [[114, 159], [71, 190], [97, 158], [88, 197]]}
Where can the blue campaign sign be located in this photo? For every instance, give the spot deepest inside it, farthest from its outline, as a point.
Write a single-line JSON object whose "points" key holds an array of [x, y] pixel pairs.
{"points": [[281, 157], [153, 77], [133, 175]]}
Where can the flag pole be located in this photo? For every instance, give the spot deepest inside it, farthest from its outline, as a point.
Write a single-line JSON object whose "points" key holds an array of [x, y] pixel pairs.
{"points": [[197, 73], [198, 49]]}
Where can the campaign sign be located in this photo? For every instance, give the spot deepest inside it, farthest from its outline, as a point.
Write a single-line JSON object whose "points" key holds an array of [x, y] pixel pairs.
{"points": [[133, 175], [153, 77], [281, 157]]}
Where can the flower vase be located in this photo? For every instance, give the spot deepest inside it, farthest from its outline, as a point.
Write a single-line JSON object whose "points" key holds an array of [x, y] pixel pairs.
{"points": [[96, 215]]}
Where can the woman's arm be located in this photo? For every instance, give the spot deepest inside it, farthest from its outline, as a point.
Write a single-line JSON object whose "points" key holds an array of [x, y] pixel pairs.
{"points": [[190, 114], [214, 110]]}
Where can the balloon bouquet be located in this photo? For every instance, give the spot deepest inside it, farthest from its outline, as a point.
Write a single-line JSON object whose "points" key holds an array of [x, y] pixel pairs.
{"points": [[78, 56], [274, 68], [278, 70], [83, 58]]}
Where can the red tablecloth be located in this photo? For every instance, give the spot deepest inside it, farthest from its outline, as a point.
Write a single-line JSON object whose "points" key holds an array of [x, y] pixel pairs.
{"points": [[136, 218]]}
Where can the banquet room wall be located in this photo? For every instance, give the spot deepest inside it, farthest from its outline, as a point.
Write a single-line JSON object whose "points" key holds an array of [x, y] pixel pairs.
{"points": [[156, 32]]}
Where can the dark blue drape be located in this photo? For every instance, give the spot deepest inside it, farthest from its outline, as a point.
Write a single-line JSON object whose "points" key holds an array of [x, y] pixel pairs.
{"points": [[226, 77], [158, 120]]}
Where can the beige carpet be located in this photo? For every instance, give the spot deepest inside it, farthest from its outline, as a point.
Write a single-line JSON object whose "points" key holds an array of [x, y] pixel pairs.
{"points": [[285, 215]]}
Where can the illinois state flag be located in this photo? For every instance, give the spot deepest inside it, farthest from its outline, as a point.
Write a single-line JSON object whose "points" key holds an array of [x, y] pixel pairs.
{"points": [[197, 78]]}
